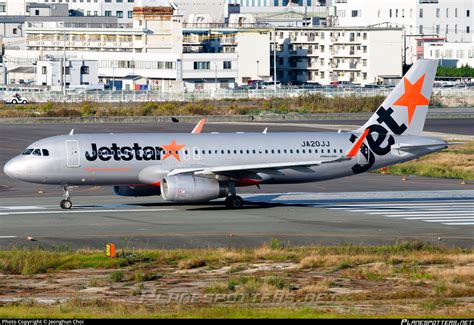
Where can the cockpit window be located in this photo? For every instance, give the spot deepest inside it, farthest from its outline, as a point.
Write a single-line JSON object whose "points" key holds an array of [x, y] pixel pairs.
{"points": [[36, 152]]}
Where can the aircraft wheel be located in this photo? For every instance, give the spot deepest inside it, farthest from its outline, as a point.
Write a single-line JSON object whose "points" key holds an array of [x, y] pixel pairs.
{"points": [[234, 202], [65, 204]]}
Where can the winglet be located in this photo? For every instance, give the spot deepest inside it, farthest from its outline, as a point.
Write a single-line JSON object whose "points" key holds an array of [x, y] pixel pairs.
{"points": [[265, 131], [355, 149], [72, 132], [199, 126]]}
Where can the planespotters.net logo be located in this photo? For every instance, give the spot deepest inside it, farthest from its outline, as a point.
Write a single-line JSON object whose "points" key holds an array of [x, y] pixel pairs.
{"points": [[437, 322]]}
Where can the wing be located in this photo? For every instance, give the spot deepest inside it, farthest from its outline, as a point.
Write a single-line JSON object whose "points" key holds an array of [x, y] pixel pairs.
{"points": [[268, 168]]}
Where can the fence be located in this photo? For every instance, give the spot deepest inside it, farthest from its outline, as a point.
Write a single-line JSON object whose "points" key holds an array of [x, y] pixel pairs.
{"points": [[148, 96]]}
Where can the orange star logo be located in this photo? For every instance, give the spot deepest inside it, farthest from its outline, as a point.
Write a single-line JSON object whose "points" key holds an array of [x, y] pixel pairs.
{"points": [[412, 97], [172, 149]]}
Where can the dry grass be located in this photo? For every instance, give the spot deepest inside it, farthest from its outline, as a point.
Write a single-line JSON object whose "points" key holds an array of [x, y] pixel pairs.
{"points": [[455, 162]]}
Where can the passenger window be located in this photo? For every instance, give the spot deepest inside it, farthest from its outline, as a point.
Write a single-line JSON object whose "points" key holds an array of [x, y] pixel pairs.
{"points": [[279, 151], [37, 152], [27, 152], [248, 151], [297, 151], [273, 151], [222, 151], [291, 150], [309, 151], [335, 151], [241, 152], [45, 152], [253, 152], [284, 151], [304, 151]]}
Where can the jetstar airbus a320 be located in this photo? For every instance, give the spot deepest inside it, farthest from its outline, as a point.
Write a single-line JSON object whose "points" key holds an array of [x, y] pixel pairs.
{"points": [[201, 167]]}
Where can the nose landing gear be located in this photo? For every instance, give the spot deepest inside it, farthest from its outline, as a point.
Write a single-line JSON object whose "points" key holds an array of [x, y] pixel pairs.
{"points": [[66, 202]]}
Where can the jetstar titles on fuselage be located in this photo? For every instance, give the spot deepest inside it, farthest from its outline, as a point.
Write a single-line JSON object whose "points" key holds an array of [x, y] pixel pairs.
{"points": [[124, 153]]}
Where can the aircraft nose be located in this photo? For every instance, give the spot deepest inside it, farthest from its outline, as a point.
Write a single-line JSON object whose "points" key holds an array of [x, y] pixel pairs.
{"points": [[11, 168]]}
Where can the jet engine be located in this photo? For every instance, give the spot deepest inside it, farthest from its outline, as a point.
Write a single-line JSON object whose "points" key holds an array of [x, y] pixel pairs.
{"points": [[190, 188], [137, 190]]}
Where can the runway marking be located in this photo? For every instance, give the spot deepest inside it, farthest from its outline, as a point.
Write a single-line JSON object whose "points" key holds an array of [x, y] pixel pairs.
{"points": [[83, 211], [450, 213], [26, 207], [7, 237]]}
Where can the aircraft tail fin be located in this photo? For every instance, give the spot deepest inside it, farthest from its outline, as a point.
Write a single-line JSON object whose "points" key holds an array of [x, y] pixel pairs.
{"points": [[404, 110]]}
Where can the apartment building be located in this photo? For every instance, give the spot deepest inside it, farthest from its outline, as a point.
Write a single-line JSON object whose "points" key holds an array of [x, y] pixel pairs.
{"points": [[359, 54], [421, 20]]}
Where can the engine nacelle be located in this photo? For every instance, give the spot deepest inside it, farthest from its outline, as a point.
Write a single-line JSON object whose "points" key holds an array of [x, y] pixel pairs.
{"points": [[190, 188], [137, 190]]}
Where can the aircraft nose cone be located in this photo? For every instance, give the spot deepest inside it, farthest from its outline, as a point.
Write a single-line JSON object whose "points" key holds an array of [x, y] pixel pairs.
{"points": [[11, 169]]}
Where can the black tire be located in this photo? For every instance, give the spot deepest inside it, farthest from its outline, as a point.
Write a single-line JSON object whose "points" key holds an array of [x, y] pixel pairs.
{"points": [[65, 204], [24, 101], [14, 101], [234, 202]]}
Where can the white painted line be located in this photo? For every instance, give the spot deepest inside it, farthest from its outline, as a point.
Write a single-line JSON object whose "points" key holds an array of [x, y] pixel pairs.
{"points": [[395, 210], [459, 224], [427, 215], [435, 218], [6, 237], [423, 212], [450, 220], [449, 203], [26, 207], [83, 211]]}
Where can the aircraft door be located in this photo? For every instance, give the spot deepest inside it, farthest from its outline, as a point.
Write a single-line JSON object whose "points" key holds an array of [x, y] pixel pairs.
{"points": [[72, 154]]}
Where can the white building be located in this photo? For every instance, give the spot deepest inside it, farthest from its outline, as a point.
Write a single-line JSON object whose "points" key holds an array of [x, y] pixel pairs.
{"points": [[450, 54], [156, 47], [77, 73], [450, 20], [358, 54]]}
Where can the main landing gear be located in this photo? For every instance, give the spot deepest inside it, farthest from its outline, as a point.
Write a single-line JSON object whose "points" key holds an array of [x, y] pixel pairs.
{"points": [[234, 202], [66, 201]]}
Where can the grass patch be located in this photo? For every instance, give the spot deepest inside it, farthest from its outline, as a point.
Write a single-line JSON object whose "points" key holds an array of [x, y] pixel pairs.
{"points": [[314, 103], [455, 162]]}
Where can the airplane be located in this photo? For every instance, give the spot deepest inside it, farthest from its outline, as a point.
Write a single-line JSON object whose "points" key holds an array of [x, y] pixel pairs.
{"points": [[200, 167]]}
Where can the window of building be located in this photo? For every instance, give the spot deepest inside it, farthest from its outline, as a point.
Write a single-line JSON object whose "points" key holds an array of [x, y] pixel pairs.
{"points": [[43, 70], [85, 69], [119, 14], [437, 12], [468, 29], [227, 65], [130, 14], [202, 65], [468, 13], [421, 12], [15, 31], [108, 13]]}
